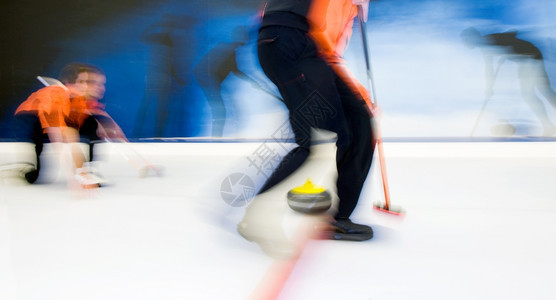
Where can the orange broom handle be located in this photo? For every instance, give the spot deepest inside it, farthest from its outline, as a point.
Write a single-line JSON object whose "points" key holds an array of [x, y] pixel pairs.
{"points": [[382, 160], [378, 133]]}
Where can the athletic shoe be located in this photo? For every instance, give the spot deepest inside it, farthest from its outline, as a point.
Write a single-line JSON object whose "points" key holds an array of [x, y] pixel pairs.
{"points": [[30, 176], [28, 172], [86, 179], [345, 229], [89, 167]]}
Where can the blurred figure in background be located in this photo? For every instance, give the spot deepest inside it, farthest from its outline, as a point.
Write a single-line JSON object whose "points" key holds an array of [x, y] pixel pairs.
{"points": [[213, 69], [531, 69], [162, 72], [300, 48]]}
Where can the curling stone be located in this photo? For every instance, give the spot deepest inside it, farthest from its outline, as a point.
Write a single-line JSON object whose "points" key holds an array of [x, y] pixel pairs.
{"points": [[309, 199]]}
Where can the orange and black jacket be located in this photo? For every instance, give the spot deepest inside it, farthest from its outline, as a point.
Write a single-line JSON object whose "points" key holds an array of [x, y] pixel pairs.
{"points": [[54, 107]]}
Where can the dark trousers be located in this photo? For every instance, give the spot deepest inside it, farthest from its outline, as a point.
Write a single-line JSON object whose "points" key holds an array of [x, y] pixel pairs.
{"points": [[317, 98], [27, 128], [88, 134]]}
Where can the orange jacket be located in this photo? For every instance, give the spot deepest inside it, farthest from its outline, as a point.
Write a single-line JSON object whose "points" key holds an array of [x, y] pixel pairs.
{"points": [[331, 23], [54, 107], [51, 104]]}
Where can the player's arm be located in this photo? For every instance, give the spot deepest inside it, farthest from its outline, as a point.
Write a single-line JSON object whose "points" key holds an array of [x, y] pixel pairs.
{"points": [[109, 129], [333, 40], [55, 134], [352, 82], [53, 109]]}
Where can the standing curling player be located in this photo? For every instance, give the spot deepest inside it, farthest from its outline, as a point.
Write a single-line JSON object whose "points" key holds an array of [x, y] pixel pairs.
{"points": [[300, 46]]}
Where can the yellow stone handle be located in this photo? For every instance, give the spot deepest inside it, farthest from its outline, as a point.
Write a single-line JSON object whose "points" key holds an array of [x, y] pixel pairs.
{"points": [[308, 188]]}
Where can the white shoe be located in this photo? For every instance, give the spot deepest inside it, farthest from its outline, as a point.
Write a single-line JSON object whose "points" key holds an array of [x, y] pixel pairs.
{"points": [[87, 179], [89, 167]]}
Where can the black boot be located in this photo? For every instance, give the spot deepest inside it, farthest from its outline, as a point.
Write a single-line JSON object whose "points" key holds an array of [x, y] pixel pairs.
{"points": [[344, 229], [32, 175]]}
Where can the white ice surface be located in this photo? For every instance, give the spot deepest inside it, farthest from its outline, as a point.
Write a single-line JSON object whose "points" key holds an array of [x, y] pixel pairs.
{"points": [[479, 224]]}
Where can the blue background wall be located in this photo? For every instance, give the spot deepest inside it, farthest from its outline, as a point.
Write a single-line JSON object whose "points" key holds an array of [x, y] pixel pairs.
{"points": [[427, 82]]}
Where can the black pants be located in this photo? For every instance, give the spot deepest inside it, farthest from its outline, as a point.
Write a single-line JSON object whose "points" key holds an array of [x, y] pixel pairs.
{"points": [[27, 128], [317, 98], [88, 134]]}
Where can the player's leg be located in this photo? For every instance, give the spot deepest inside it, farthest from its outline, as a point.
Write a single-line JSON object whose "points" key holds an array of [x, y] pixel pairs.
{"points": [[544, 86], [528, 79], [309, 91], [88, 134], [279, 49], [27, 129], [289, 58], [353, 166]]}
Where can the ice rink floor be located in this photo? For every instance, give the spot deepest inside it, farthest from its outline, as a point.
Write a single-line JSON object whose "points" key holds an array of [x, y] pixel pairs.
{"points": [[480, 224]]}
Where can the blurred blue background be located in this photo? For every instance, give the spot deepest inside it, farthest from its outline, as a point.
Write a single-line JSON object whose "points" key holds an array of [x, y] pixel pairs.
{"points": [[169, 63]]}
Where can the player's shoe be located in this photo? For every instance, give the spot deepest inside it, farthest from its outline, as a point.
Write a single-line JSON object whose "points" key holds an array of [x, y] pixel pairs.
{"points": [[93, 173], [345, 229], [23, 170], [86, 179]]}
